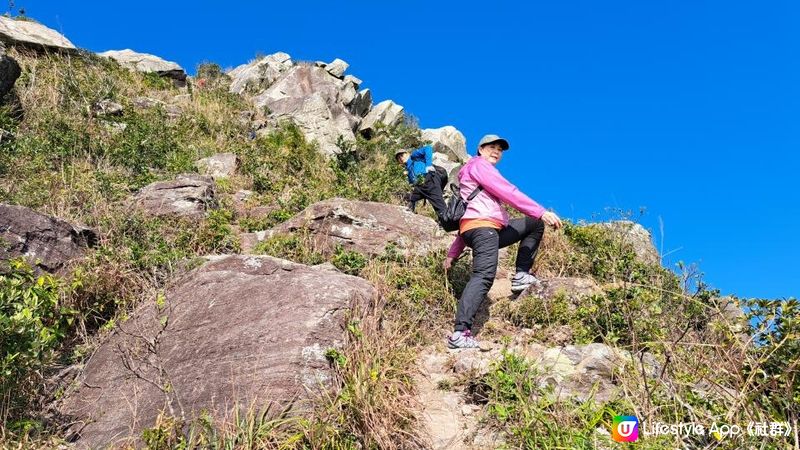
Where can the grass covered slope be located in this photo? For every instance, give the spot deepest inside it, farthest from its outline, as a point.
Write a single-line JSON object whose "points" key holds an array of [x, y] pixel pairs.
{"points": [[69, 158]]}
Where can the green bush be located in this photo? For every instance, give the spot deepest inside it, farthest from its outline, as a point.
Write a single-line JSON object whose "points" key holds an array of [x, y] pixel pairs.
{"points": [[348, 261], [33, 322], [775, 359]]}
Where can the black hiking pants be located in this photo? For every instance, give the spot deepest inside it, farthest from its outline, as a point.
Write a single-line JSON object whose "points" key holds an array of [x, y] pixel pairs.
{"points": [[485, 243], [431, 189]]}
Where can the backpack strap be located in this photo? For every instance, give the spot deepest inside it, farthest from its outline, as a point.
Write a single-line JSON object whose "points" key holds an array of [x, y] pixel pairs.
{"points": [[474, 193]]}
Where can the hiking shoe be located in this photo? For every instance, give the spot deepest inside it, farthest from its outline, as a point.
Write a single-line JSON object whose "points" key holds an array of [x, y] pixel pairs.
{"points": [[522, 280], [462, 339]]}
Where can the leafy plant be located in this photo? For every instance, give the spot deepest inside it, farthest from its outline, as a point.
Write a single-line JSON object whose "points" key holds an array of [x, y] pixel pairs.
{"points": [[33, 322]]}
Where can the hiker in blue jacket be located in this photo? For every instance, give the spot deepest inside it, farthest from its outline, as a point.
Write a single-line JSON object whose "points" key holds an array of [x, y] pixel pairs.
{"points": [[428, 180]]}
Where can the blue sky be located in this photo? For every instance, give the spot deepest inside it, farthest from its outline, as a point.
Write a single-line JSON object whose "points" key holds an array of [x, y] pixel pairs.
{"points": [[690, 109]]}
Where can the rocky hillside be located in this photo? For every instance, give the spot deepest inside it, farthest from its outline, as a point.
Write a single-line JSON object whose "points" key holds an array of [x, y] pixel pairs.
{"points": [[223, 261]]}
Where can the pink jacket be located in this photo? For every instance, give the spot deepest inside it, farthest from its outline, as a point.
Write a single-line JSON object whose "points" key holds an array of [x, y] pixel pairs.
{"points": [[489, 203]]}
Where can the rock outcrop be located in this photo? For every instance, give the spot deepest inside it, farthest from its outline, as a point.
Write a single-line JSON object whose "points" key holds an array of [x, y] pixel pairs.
{"points": [[9, 72], [448, 141], [259, 74], [337, 67], [316, 101], [361, 104], [573, 289], [218, 165], [147, 63], [582, 372], [45, 241], [386, 112], [106, 107], [365, 227], [637, 236], [188, 195], [235, 332], [34, 35]]}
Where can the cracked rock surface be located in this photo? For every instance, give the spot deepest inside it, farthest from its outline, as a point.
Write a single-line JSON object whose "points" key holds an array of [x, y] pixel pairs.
{"points": [[235, 330], [365, 227], [47, 242]]}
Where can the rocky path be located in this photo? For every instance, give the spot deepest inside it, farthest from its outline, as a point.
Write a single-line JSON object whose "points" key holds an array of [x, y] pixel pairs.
{"points": [[450, 420]]}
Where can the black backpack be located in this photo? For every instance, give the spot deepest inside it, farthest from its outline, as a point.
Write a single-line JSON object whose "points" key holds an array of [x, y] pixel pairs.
{"points": [[456, 207]]}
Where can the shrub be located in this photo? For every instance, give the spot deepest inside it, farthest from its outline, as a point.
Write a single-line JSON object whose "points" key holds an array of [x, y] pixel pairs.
{"points": [[33, 322], [348, 261]]}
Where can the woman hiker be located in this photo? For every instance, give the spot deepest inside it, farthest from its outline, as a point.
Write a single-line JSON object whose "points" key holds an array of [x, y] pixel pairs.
{"points": [[485, 228]]}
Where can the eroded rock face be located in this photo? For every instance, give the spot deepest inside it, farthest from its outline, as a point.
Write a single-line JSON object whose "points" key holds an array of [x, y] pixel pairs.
{"points": [[218, 165], [33, 35], [316, 101], [147, 63], [366, 227], [39, 237], [259, 74], [582, 372], [579, 372], [337, 67], [386, 112], [188, 195], [448, 141], [637, 236], [107, 108], [234, 331], [362, 103], [572, 288], [9, 72]]}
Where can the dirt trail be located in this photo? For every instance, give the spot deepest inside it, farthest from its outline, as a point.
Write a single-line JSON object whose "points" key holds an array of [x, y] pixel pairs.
{"points": [[451, 422]]}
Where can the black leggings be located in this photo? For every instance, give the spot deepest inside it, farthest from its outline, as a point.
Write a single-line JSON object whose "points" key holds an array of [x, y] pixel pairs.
{"points": [[485, 243], [430, 189]]}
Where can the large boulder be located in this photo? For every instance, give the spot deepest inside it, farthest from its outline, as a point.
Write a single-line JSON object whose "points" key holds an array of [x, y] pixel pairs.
{"points": [[259, 74], [337, 67], [218, 165], [582, 372], [448, 141], [637, 236], [188, 195], [9, 72], [316, 101], [361, 104], [236, 332], [31, 34], [47, 242], [365, 227], [386, 112], [147, 63]]}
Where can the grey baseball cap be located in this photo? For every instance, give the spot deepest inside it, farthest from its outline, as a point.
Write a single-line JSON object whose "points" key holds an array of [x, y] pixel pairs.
{"points": [[490, 138]]}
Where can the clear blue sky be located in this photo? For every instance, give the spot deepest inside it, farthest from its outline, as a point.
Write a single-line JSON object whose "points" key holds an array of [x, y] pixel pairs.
{"points": [[690, 109]]}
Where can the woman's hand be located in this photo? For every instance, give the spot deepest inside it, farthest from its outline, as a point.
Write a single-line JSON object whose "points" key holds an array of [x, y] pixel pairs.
{"points": [[550, 218], [448, 263]]}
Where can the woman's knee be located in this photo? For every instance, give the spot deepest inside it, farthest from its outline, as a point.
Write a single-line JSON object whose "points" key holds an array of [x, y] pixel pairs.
{"points": [[536, 226]]}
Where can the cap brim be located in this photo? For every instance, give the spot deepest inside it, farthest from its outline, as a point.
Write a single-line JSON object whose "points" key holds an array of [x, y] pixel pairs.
{"points": [[503, 143]]}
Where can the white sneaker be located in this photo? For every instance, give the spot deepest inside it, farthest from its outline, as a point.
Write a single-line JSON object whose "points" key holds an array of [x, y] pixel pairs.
{"points": [[522, 280], [462, 339]]}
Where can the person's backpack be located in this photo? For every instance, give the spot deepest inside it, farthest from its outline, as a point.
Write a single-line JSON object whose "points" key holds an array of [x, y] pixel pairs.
{"points": [[456, 207]]}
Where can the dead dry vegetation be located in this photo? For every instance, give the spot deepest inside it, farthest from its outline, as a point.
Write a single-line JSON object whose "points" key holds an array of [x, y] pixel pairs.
{"points": [[63, 157]]}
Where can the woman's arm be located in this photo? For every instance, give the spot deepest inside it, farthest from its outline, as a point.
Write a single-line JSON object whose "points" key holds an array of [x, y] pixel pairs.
{"points": [[454, 253], [489, 177], [456, 248]]}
